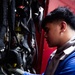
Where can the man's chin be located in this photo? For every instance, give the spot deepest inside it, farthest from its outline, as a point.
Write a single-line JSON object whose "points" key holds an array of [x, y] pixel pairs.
{"points": [[51, 45]]}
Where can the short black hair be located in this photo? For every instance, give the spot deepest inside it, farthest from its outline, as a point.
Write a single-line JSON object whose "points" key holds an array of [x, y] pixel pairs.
{"points": [[60, 13]]}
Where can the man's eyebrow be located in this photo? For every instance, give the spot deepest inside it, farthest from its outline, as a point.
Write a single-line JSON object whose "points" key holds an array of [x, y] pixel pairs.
{"points": [[46, 29]]}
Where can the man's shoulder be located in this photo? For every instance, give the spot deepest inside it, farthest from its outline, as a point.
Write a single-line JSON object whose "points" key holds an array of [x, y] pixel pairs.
{"points": [[69, 60], [67, 65]]}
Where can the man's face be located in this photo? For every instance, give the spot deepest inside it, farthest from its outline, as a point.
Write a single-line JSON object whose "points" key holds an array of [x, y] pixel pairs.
{"points": [[52, 34]]}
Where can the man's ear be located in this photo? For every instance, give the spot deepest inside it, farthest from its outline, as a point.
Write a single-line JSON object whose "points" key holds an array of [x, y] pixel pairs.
{"points": [[63, 26]]}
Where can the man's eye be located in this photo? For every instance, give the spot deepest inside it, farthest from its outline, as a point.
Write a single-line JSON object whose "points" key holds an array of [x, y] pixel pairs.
{"points": [[47, 30]]}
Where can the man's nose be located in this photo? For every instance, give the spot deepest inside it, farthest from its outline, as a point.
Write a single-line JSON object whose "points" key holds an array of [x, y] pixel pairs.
{"points": [[45, 35]]}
